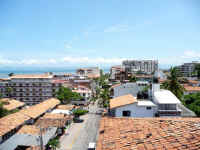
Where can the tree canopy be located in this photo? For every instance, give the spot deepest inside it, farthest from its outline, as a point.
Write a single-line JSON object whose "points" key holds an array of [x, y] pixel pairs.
{"points": [[173, 84], [65, 95], [192, 101]]}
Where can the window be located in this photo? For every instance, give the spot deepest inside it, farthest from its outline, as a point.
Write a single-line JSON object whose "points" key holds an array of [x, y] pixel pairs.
{"points": [[148, 108], [27, 84], [126, 113]]}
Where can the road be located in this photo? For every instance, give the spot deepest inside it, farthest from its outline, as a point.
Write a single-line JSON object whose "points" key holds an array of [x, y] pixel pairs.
{"points": [[80, 134]]}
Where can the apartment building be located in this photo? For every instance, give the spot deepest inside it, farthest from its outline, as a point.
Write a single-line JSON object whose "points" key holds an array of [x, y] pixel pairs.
{"points": [[145, 66], [30, 89], [187, 69], [92, 72], [117, 73]]}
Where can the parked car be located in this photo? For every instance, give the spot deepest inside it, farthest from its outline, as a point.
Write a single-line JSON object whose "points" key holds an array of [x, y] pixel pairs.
{"points": [[92, 146], [77, 120]]}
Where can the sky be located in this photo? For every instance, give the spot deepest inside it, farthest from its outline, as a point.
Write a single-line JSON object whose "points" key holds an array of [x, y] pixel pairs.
{"points": [[68, 33]]}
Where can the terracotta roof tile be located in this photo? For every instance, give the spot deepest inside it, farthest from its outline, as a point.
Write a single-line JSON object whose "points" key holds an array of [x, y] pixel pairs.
{"points": [[37, 110], [11, 104], [149, 133], [29, 129], [11, 122], [122, 100], [191, 88], [21, 76], [65, 107]]}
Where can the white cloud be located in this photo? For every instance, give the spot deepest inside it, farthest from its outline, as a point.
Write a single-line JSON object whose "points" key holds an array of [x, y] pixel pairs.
{"points": [[53, 61], [68, 46], [117, 28], [191, 54]]}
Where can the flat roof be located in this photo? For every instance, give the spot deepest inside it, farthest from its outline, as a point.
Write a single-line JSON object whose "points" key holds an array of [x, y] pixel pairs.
{"points": [[165, 97], [31, 76], [145, 103]]}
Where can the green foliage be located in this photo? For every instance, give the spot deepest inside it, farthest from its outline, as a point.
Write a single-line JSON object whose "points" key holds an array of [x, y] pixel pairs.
{"points": [[54, 143], [65, 95], [132, 79], [192, 101], [197, 70], [79, 112], [173, 85], [3, 112]]}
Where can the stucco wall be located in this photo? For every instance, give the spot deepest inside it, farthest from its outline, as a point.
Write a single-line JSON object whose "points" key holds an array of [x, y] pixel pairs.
{"points": [[136, 111]]}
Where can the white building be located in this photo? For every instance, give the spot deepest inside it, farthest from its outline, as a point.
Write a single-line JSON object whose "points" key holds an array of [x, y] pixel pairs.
{"points": [[129, 88], [146, 66], [167, 103], [129, 106], [187, 69]]}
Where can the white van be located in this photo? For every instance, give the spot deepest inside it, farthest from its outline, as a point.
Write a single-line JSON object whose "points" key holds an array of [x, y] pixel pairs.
{"points": [[92, 146]]}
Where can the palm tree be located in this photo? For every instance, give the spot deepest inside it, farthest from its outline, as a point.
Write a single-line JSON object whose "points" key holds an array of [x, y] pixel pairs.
{"points": [[173, 85], [9, 91]]}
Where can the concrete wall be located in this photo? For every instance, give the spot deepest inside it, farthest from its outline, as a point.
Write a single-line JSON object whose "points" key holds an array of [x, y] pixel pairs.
{"points": [[136, 111], [128, 88]]}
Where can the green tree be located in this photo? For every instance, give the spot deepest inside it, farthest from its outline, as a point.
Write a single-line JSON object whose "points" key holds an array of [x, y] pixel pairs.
{"points": [[9, 91], [197, 70], [104, 97], [65, 95], [3, 112], [192, 101], [132, 79], [173, 85], [54, 143]]}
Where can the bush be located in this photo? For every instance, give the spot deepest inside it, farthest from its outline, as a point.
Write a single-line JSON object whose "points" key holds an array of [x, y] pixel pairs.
{"points": [[79, 112]]}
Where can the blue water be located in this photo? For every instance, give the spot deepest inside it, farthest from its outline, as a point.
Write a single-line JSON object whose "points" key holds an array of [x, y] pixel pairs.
{"points": [[4, 72]]}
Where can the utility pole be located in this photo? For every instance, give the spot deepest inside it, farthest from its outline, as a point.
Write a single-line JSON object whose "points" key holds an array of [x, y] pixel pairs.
{"points": [[41, 140]]}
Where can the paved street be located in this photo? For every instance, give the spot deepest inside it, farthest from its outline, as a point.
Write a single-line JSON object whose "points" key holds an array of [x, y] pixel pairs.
{"points": [[80, 134]]}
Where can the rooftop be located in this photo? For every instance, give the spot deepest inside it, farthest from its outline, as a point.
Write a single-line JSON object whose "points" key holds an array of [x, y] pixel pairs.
{"points": [[31, 76], [145, 103], [191, 88], [149, 133], [29, 129], [65, 107], [11, 122], [122, 100], [165, 97], [11, 104], [37, 110]]}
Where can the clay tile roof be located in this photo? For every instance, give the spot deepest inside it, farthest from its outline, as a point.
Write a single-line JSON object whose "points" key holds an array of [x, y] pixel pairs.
{"points": [[65, 107], [53, 120], [11, 104], [149, 134], [34, 148], [191, 88], [31, 76], [54, 116], [11, 122], [122, 100], [93, 75], [193, 81], [29, 129], [115, 85], [39, 109]]}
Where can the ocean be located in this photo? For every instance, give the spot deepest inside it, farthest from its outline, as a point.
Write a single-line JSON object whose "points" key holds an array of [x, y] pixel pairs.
{"points": [[4, 73]]}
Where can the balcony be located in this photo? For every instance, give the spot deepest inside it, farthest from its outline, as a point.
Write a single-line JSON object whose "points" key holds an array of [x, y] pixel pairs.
{"points": [[169, 112]]}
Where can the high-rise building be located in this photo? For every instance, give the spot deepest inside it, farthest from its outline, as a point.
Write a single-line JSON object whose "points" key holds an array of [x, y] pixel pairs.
{"points": [[144, 66], [187, 69]]}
